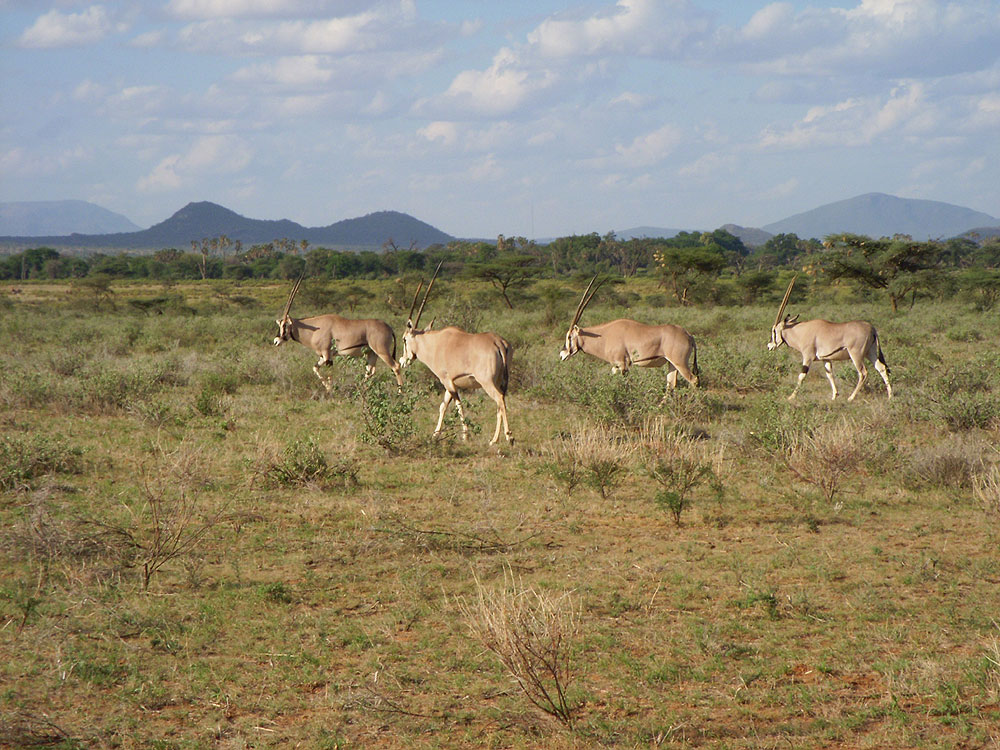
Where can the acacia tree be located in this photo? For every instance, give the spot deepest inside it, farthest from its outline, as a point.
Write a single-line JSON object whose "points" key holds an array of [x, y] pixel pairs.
{"points": [[505, 272], [899, 265]]}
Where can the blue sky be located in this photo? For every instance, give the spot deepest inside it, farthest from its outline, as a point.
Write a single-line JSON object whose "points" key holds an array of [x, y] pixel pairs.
{"points": [[524, 117]]}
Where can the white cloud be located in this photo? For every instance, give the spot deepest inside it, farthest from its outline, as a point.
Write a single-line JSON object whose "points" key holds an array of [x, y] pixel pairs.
{"points": [[55, 29], [502, 88], [860, 121], [446, 132], [650, 148], [207, 155], [888, 38], [204, 9], [295, 72], [655, 28]]}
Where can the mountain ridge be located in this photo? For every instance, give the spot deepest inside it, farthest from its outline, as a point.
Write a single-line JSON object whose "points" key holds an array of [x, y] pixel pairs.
{"points": [[883, 215], [199, 220], [38, 218]]}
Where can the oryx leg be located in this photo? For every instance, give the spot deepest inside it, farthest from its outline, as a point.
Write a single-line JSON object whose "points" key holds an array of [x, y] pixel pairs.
{"points": [[859, 363], [328, 380], [370, 359], [884, 372], [448, 396], [461, 416], [828, 367], [394, 366], [802, 376], [501, 402], [671, 382]]}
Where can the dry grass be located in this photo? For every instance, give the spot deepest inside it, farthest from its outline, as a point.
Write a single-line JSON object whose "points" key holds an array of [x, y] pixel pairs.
{"points": [[533, 634], [325, 609]]}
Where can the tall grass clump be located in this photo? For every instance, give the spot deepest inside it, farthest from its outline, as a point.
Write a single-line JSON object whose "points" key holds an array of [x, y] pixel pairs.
{"points": [[532, 634], [682, 469], [591, 455], [25, 458], [831, 455], [303, 463]]}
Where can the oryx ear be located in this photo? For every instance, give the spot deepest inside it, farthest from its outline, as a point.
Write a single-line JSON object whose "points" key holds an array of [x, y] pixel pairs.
{"points": [[793, 318], [431, 324], [409, 324]]}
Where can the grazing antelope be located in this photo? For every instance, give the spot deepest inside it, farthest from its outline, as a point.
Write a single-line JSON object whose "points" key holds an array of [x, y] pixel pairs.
{"points": [[460, 361], [826, 342], [624, 343], [331, 335]]}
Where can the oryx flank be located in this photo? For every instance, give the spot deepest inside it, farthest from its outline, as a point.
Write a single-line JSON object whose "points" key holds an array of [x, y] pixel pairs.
{"points": [[461, 361], [826, 342], [625, 343], [331, 335]]}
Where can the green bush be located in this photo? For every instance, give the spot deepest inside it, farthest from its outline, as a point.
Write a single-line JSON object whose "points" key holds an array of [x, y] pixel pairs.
{"points": [[387, 414]]}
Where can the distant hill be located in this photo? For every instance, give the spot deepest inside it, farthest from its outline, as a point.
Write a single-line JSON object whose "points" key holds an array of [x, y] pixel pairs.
{"points": [[198, 221], [981, 234], [636, 233], [38, 218], [750, 236], [881, 215]]}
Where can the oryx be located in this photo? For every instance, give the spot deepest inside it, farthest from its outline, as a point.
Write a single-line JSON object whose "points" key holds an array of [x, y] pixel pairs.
{"points": [[460, 361], [331, 335], [826, 342], [625, 343]]}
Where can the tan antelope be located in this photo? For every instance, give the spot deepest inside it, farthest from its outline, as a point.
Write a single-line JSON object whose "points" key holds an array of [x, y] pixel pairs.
{"points": [[460, 361], [331, 335], [625, 343], [826, 342]]}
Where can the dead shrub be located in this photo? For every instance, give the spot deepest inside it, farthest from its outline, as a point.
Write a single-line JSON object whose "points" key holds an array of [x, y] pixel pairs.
{"points": [[532, 634], [831, 455]]}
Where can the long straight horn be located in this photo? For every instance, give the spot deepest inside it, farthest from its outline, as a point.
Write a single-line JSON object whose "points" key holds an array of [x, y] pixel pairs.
{"points": [[427, 294], [587, 298], [291, 295], [583, 302], [788, 293], [413, 304]]}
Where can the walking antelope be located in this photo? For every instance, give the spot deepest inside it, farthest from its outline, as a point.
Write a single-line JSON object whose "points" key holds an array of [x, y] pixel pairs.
{"points": [[826, 342], [624, 343], [331, 335], [460, 361]]}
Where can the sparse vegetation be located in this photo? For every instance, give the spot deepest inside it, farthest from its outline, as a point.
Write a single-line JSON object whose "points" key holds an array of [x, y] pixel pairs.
{"points": [[201, 547]]}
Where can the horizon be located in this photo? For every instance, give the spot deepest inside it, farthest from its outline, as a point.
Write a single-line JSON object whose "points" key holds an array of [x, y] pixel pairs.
{"points": [[538, 119]]}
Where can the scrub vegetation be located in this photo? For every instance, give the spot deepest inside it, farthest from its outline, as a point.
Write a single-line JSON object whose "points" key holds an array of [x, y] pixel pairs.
{"points": [[201, 547]]}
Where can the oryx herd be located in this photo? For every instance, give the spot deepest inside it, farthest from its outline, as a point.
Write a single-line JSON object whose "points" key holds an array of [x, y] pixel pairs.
{"points": [[464, 361]]}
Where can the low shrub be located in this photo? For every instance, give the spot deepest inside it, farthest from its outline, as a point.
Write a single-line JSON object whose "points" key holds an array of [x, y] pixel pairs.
{"points": [[23, 459]]}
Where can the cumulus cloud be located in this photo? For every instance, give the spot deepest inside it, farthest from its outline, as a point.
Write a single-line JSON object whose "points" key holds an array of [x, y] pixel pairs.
{"points": [[655, 28], [892, 38], [207, 155], [859, 121], [204, 9], [301, 71], [55, 29], [502, 88], [650, 148], [446, 132]]}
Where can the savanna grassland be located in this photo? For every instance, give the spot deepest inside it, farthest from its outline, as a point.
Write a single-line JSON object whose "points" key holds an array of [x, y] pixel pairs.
{"points": [[200, 547]]}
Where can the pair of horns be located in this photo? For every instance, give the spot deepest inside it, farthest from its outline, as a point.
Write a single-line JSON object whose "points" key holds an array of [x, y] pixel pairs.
{"points": [[415, 320], [788, 293], [291, 295], [585, 300]]}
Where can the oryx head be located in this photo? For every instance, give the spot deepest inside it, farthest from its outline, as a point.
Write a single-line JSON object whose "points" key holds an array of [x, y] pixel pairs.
{"points": [[285, 322], [780, 324], [572, 344], [413, 321]]}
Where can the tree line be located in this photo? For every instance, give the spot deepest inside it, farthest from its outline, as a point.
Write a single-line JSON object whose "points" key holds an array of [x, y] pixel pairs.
{"points": [[691, 267]]}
